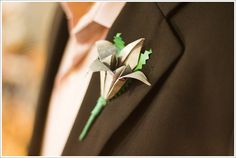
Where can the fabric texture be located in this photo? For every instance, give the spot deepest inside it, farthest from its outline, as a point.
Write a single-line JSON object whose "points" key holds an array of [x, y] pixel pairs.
{"points": [[188, 110]]}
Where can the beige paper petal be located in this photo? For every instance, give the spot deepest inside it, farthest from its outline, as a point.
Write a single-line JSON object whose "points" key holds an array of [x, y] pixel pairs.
{"points": [[127, 70], [102, 82], [130, 54], [109, 79], [115, 88], [118, 72], [97, 65], [117, 83], [107, 60], [139, 76], [105, 49]]}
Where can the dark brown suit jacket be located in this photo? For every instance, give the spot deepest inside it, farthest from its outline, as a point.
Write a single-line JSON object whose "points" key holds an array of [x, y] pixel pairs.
{"points": [[188, 110]]}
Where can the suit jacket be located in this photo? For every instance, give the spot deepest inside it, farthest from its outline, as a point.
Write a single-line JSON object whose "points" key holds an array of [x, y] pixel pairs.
{"points": [[188, 110]]}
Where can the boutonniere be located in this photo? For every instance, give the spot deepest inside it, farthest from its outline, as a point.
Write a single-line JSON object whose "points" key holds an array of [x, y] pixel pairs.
{"points": [[116, 63]]}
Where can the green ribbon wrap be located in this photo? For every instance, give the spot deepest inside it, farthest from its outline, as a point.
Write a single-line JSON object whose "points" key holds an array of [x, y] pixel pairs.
{"points": [[101, 103]]}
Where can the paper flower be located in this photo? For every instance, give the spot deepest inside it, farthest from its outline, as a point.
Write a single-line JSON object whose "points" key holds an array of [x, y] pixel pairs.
{"points": [[116, 63]]}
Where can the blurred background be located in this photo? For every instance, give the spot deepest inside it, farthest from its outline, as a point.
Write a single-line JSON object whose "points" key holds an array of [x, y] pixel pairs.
{"points": [[26, 26]]}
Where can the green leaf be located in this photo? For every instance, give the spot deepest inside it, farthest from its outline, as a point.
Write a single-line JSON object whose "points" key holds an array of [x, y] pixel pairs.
{"points": [[119, 43], [143, 59]]}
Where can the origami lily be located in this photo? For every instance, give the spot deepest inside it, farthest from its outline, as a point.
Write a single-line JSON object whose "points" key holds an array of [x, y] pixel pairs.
{"points": [[116, 65]]}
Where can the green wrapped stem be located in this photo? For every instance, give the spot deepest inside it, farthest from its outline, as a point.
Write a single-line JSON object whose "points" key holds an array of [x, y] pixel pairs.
{"points": [[101, 102]]}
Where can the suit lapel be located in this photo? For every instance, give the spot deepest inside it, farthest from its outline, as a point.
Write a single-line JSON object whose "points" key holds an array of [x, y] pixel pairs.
{"points": [[58, 39], [136, 20]]}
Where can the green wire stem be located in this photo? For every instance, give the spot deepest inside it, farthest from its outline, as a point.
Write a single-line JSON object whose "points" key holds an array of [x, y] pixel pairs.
{"points": [[101, 102]]}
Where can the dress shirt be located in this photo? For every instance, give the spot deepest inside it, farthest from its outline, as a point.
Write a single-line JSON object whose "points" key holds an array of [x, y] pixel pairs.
{"points": [[73, 76]]}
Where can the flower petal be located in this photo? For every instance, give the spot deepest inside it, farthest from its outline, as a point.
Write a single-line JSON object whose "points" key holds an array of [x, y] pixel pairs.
{"points": [[130, 54], [103, 75], [115, 88], [117, 83], [105, 49], [108, 83], [138, 75], [97, 65]]}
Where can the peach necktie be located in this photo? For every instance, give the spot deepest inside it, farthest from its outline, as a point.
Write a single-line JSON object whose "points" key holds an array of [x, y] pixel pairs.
{"points": [[89, 33]]}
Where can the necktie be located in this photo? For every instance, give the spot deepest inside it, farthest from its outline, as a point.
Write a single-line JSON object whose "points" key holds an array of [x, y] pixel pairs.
{"points": [[85, 38]]}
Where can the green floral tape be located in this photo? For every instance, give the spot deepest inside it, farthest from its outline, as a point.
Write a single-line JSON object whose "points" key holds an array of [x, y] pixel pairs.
{"points": [[101, 102]]}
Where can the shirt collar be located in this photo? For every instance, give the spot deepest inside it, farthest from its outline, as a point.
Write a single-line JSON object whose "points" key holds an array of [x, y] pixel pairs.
{"points": [[103, 13]]}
